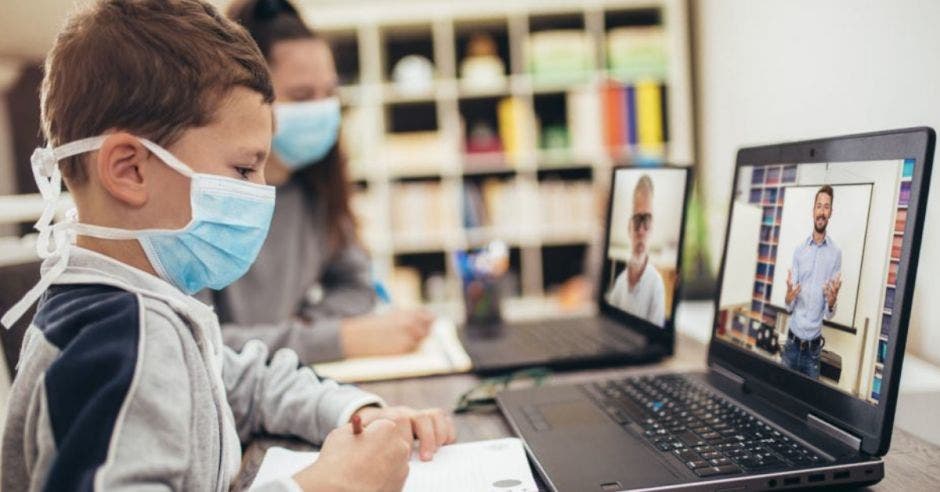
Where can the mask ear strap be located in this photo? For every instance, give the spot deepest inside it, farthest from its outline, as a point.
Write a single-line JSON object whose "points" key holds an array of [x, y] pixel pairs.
{"points": [[103, 232], [114, 233], [168, 158]]}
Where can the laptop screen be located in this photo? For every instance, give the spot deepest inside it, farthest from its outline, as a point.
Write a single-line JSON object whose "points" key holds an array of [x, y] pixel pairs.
{"points": [[812, 257], [644, 231]]}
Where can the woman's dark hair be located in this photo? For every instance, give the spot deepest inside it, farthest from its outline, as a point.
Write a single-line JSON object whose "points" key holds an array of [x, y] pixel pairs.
{"points": [[273, 21]]}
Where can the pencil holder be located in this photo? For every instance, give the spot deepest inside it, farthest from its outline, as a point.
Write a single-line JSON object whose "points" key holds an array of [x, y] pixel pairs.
{"points": [[482, 298]]}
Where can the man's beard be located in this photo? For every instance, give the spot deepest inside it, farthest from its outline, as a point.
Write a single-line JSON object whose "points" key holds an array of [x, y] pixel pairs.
{"points": [[819, 229]]}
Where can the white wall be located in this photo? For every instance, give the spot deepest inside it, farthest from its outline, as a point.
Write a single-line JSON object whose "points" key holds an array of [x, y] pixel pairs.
{"points": [[779, 70]]}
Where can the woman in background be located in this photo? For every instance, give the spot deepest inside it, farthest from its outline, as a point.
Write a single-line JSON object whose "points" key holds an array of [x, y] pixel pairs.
{"points": [[311, 286]]}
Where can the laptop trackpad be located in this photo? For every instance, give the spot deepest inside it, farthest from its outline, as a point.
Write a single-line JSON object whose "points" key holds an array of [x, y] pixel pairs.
{"points": [[571, 413], [581, 446]]}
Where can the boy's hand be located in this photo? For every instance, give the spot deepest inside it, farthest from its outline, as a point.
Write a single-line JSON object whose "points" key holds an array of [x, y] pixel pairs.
{"points": [[374, 461], [432, 427], [395, 332]]}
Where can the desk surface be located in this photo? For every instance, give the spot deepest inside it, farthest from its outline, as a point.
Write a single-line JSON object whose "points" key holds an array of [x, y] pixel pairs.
{"points": [[910, 465]]}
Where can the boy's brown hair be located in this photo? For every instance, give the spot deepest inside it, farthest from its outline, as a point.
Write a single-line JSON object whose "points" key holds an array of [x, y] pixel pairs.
{"points": [[151, 67]]}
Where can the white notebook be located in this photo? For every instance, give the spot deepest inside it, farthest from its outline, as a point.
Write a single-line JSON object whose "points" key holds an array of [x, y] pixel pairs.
{"points": [[440, 353], [499, 464]]}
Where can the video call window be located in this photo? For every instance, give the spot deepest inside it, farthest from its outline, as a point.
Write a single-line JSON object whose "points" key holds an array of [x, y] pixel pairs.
{"points": [[642, 251], [810, 268]]}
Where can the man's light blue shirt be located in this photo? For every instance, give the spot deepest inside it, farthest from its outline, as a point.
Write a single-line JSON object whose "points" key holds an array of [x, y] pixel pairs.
{"points": [[813, 265]]}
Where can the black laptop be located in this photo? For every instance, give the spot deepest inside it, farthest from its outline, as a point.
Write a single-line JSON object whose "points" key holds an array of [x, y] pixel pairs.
{"points": [[636, 298], [805, 358]]}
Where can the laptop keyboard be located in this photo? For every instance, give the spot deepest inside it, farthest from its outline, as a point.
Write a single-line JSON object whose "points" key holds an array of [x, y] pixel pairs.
{"points": [[569, 341], [707, 433]]}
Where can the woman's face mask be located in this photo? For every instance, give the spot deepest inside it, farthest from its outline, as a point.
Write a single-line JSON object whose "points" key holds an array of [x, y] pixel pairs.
{"points": [[306, 131]]}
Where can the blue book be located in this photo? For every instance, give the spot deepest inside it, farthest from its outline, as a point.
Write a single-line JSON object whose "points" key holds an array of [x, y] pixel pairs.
{"points": [[630, 100]]}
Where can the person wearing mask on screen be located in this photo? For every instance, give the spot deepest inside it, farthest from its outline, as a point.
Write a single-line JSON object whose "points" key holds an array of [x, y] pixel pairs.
{"points": [[813, 284], [639, 288], [311, 288]]}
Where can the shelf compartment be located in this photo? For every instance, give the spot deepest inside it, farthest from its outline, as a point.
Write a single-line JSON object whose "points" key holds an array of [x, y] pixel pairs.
{"points": [[482, 54]]}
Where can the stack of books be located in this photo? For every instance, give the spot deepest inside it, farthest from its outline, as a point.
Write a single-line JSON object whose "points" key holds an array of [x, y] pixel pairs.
{"points": [[636, 53], [492, 203], [422, 213], [567, 207], [634, 117], [560, 56]]}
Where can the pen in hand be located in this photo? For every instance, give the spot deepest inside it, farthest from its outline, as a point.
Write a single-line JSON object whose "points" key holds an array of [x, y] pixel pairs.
{"points": [[357, 424]]}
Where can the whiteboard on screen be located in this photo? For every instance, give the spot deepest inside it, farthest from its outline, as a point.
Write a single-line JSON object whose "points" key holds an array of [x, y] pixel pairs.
{"points": [[847, 228], [737, 284]]}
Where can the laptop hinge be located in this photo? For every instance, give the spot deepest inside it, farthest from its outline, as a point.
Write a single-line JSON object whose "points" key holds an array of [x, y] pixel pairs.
{"points": [[834, 432], [729, 374]]}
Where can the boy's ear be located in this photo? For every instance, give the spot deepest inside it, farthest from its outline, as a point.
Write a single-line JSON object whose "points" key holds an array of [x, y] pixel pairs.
{"points": [[121, 168]]}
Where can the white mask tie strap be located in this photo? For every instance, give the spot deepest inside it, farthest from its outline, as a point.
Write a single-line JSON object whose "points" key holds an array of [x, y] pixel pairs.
{"points": [[48, 176], [19, 309]]}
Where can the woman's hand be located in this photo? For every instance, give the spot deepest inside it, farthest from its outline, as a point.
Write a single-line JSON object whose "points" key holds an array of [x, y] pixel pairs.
{"points": [[395, 332]]}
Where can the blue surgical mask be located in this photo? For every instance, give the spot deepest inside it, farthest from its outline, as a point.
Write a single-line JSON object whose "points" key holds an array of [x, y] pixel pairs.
{"points": [[230, 220], [306, 131]]}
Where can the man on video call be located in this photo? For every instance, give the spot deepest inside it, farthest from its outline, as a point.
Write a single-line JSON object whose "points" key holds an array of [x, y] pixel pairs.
{"points": [[813, 284], [639, 289]]}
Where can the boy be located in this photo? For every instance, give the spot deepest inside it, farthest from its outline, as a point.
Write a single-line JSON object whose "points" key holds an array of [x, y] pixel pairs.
{"points": [[159, 112]]}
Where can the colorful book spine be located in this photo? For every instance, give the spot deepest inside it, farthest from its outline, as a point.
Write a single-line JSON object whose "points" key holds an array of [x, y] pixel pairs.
{"points": [[900, 221], [631, 115], [615, 118], [649, 116], [664, 110], [509, 130], [586, 131]]}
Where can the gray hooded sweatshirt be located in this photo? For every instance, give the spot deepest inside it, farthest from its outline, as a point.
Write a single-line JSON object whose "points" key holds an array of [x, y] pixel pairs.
{"points": [[124, 384]]}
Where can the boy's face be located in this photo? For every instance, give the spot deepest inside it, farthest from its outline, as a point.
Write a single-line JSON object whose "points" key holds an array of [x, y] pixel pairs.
{"points": [[235, 145]]}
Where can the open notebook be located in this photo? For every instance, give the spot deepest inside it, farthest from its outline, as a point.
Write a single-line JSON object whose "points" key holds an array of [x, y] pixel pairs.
{"points": [[440, 353], [499, 464]]}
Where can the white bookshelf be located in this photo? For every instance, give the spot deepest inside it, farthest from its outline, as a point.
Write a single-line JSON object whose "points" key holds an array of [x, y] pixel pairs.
{"points": [[371, 29], [363, 32]]}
